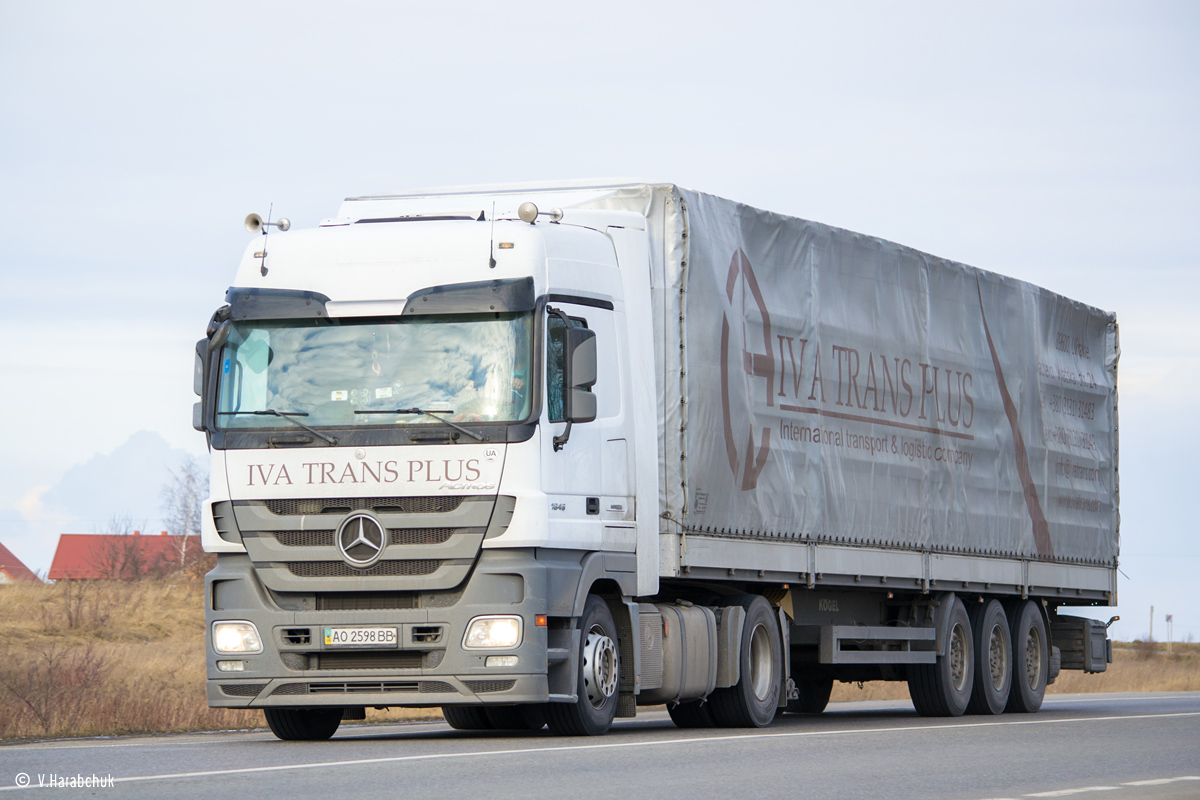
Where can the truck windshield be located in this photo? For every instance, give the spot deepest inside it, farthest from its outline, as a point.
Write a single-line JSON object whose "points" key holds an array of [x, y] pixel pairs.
{"points": [[470, 368]]}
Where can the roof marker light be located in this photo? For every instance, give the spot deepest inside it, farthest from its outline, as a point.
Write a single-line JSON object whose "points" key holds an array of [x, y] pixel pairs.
{"points": [[528, 212]]}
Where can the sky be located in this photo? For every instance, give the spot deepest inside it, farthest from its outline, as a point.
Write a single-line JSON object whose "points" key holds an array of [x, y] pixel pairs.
{"points": [[1055, 143]]}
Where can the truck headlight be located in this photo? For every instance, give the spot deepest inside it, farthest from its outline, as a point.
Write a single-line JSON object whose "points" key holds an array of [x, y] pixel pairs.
{"points": [[236, 637], [493, 631]]}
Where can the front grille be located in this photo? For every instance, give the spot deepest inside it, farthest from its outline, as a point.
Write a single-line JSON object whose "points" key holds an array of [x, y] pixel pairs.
{"points": [[380, 505], [242, 689], [430, 687], [426, 634], [421, 535], [395, 536], [305, 538], [398, 659], [363, 687], [290, 688], [296, 661], [340, 569], [365, 601], [479, 687], [296, 636]]}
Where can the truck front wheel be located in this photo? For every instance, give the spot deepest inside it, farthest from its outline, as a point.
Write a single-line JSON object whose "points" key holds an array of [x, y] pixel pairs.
{"points": [[303, 724], [597, 680], [751, 703], [467, 718], [814, 692]]}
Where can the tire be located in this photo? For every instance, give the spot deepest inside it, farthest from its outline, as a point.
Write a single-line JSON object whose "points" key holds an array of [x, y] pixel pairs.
{"points": [[814, 695], [466, 718], [753, 701], [303, 724], [943, 689], [1031, 658], [598, 679], [693, 714], [993, 659], [526, 717]]}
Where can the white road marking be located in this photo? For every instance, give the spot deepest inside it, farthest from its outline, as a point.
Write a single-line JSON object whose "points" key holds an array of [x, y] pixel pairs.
{"points": [[693, 740], [178, 736], [1161, 781], [1066, 792]]}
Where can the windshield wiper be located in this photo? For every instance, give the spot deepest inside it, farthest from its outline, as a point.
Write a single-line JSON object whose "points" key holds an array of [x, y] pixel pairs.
{"points": [[288, 415], [433, 414]]}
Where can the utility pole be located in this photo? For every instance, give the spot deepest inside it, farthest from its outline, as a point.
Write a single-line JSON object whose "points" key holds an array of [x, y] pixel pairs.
{"points": [[1170, 636], [1152, 623]]}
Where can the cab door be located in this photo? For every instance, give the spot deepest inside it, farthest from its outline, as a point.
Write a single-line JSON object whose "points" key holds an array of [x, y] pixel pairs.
{"points": [[589, 480]]}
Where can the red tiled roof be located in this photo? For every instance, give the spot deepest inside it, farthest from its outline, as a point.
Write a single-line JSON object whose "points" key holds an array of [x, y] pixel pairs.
{"points": [[96, 555], [11, 566]]}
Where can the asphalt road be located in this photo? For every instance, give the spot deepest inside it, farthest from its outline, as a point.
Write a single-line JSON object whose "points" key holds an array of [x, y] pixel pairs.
{"points": [[1135, 746]]}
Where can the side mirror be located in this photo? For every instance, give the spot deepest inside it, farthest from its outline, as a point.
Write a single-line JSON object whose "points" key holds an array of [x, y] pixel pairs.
{"points": [[579, 404], [199, 408], [579, 374], [198, 374]]}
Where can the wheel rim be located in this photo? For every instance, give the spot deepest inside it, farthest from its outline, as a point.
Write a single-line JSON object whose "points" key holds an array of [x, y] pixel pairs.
{"points": [[600, 667], [998, 658], [958, 658], [1033, 658], [760, 662]]}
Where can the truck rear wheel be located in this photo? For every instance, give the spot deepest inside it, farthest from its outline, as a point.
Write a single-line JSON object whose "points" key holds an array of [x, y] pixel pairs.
{"points": [[466, 718], [692, 714], [943, 689], [814, 695], [993, 660], [1031, 658], [303, 724], [598, 678], [751, 703]]}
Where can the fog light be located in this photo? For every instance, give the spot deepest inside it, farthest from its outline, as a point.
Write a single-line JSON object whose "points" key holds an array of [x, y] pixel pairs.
{"points": [[231, 666], [236, 637], [494, 631], [500, 661]]}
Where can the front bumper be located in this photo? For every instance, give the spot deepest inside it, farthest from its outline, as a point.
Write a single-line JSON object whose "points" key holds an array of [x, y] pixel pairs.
{"points": [[428, 668]]}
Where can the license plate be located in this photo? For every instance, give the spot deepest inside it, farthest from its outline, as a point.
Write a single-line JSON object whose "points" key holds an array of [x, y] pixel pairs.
{"points": [[361, 637]]}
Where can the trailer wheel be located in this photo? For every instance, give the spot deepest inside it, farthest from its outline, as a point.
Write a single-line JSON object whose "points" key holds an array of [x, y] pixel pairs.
{"points": [[943, 689], [752, 702], [993, 659], [814, 695], [599, 675], [1031, 658], [466, 718], [525, 717], [692, 714], [303, 724]]}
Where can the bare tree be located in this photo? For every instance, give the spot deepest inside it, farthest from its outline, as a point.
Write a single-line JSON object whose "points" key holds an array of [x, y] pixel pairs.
{"points": [[182, 499], [120, 555]]}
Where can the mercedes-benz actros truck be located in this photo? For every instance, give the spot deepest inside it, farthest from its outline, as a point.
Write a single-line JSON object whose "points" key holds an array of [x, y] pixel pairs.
{"points": [[542, 454]]}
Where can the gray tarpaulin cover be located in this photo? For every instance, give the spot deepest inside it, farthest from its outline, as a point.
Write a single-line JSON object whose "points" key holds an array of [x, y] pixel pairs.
{"points": [[833, 386]]}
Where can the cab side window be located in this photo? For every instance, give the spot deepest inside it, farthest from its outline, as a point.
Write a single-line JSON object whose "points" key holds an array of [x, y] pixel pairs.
{"points": [[555, 377]]}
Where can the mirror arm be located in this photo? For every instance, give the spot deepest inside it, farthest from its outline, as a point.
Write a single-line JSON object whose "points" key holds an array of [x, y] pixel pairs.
{"points": [[559, 441]]}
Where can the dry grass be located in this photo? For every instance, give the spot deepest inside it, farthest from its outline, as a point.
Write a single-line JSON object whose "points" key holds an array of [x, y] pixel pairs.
{"points": [[108, 657], [1135, 668]]}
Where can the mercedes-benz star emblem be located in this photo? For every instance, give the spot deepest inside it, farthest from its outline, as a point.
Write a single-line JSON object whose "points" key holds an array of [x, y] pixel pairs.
{"points": [[361, 540]]}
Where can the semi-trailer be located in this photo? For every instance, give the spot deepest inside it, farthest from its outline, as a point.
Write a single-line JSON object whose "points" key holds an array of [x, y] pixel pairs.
{"points": [[541, 454]]}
